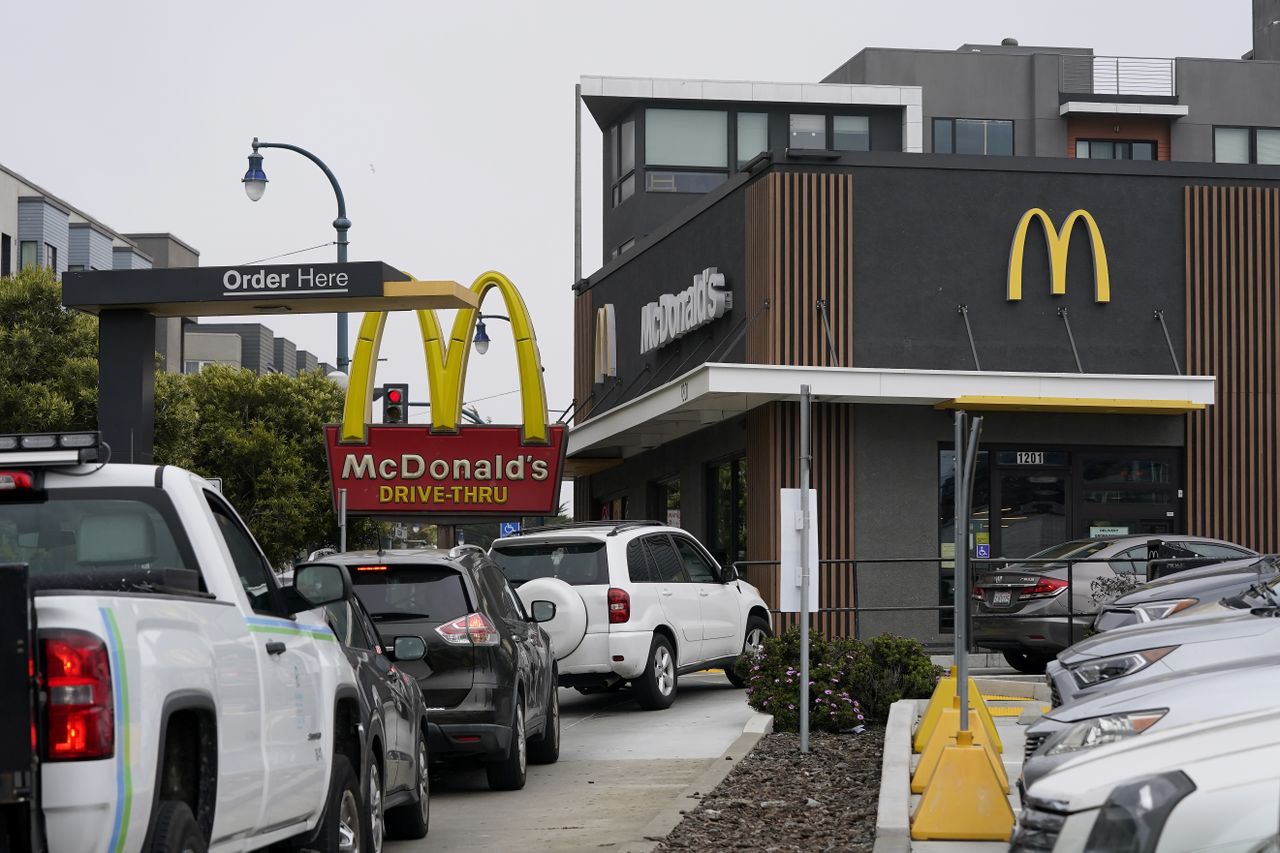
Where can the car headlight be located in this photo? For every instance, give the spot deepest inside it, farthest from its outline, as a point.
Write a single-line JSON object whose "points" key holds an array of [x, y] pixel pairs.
{"points": [[1135, 813], [1153, 610], [1100, 731], [1093, 671]]}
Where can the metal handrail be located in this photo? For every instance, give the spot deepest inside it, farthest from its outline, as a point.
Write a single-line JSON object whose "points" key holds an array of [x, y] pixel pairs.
{"points": [[1117, 76]]}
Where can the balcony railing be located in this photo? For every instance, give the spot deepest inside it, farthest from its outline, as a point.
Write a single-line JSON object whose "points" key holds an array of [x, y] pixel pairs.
{"points": [[1117, 77]]}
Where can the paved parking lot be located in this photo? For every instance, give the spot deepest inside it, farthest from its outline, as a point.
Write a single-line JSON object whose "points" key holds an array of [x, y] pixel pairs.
{"points": [[619, 766]]}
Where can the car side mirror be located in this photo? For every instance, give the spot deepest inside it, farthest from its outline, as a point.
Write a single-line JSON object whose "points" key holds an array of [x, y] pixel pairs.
{"points": [[408, 648], [542, 611], [318, 584], [730, 573]]}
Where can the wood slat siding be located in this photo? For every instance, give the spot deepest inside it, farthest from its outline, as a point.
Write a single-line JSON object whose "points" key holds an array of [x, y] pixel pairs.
{"points": [[800, 249], [1232, 249]]}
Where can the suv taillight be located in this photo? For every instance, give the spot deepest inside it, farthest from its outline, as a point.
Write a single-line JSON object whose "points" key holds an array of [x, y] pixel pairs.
{"points": [[79, 720], [15, 481], [474, 629], [619, 606]]}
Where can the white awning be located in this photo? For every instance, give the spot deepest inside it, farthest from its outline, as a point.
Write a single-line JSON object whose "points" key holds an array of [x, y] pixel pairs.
{"points": [[712, 392]]}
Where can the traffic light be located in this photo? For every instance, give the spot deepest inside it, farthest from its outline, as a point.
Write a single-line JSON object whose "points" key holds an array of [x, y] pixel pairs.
{"points": [[395, 404]]}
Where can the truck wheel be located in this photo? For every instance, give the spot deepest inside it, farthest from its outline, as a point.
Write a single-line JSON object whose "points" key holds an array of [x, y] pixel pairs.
{"points": [[656, 688], [174, 830], [508, 773], [546, 749], [757, 632], [345, 824], [413, 819]]}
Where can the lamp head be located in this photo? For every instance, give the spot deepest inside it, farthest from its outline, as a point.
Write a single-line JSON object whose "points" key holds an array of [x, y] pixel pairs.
{"points": [[255, 180], [481, 339]]}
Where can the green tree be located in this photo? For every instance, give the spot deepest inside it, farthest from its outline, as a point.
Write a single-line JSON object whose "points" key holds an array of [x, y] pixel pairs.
{"points": [[48, 357]]}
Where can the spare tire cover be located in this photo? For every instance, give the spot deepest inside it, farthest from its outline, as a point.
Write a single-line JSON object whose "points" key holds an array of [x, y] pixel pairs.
{"points": [[569, 626]]}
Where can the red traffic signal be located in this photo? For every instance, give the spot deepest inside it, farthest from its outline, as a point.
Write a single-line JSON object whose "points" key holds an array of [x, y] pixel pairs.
{"points": [[394, 395], [395, 404]]}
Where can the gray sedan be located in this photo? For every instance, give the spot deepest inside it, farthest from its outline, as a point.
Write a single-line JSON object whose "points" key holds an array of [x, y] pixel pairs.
{"points": [[1158, 703]]}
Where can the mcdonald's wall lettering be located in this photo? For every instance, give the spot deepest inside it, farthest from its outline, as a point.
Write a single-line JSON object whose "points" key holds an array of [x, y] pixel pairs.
{"points": [[1058, 244], [448, 468]]}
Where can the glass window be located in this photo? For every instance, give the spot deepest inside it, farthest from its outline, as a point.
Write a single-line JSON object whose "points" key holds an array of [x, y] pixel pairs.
{"points": [[575, 563], [1211, 549], [971, 136], [683, 182], [1111, 149], [942, 143], [753, 136], [51, 256], [639, 569], [808, 131], [29, 251], [1268, 146], [622, 150], [686, 138], [1133, 562], [1143, 150], [399, 591], [346, 625], [255, 573], [695, 565], [851, 133], [1231, 145], [668, 500], [727, 510], [666, 563], [627, 147], [1000, 138]]}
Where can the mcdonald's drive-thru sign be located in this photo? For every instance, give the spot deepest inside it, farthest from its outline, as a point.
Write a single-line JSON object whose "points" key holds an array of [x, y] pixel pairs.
{"points": [[1058, 243], [447, 468]]}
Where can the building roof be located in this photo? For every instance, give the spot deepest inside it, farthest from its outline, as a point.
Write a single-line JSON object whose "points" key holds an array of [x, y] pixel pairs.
{"points": [[37, 190]]}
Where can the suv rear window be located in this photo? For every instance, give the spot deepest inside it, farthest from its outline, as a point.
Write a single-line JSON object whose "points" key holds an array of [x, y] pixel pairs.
{"points": [[90, 532], [575, 563], [392, 592]]}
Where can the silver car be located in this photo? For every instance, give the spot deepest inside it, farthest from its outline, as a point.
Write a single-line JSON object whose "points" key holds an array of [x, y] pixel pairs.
{"points": [[1026, 610], [1156, 704], [1175, 594], [1139, 653]]}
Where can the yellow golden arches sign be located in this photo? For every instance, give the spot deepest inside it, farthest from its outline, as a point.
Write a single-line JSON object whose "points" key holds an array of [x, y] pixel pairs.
{"points": [[1058, 243], [447, 365]]}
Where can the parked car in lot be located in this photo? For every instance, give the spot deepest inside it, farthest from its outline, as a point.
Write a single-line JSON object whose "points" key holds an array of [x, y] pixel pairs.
{"points": [[1206, 786], [1026, 610], [488, 677], [1175, 594], [183, 686], [1127, 656], [637, 602], [1148, 706], [396, 776]]}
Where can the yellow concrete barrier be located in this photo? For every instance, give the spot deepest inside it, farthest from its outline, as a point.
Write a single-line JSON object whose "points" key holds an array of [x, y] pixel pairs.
{"points": [[965, 800], [945, 734], [943, 696]]}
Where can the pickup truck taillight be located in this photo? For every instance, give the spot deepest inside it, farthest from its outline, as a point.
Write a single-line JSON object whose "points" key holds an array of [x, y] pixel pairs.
{"points": [[474, 629], [78, 712], [619, 606]]}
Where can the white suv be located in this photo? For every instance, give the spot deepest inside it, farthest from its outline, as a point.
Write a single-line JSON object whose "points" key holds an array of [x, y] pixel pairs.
{"points": [[636, 601]]}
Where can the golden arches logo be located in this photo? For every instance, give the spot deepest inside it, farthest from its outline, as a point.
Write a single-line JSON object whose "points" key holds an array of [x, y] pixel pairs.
{"points": [[447, 365], [1058, 243]]}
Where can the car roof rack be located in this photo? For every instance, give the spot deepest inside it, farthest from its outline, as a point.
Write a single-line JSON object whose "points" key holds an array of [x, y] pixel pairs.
{"points": [[615, 527]]}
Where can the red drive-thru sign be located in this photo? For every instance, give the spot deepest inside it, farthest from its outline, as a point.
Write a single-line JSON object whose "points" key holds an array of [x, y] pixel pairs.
{"points": [[444, 468], [407, 470]]}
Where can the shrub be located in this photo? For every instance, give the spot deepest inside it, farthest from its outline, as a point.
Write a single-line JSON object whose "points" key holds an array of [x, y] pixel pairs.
{"points": [[849, 682]]}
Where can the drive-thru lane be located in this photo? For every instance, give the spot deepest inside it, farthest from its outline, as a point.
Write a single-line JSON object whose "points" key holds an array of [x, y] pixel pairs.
{"points": [[619, 766]]}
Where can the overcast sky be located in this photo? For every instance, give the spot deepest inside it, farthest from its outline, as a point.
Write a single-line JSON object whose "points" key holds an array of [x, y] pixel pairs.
{"points": [[449, 126]]}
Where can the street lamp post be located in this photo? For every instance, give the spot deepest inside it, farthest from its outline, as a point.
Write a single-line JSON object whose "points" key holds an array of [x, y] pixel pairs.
{"points": [[255, 184]]}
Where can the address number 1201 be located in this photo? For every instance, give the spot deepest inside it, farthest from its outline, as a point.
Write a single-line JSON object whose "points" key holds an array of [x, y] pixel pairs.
{"points": [[1025, 457]]}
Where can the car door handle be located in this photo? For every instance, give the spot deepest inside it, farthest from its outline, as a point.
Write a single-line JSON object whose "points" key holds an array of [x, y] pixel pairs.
{"points": [[666, 592], [275, 647], [703, 593]]}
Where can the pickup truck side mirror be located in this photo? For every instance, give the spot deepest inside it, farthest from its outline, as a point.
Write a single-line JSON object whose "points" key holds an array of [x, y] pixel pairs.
{"points": [[318, 584]]}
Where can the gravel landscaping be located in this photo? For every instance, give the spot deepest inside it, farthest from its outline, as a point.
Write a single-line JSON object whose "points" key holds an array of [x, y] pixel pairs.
{"points": [[780, 800]]}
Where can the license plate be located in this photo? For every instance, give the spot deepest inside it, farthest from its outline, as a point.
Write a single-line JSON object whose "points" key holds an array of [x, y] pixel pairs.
{"points": [[1001, 597]]}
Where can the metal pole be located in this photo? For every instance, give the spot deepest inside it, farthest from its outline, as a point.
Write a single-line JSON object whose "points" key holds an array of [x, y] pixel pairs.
{"points": [[962, 596], [804, 568], [958, 583], [342, 521], [577, 183]]}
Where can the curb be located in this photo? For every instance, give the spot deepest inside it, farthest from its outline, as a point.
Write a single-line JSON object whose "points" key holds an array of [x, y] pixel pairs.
{"points": [[661, 825], [1037, 690], [893, 811]]}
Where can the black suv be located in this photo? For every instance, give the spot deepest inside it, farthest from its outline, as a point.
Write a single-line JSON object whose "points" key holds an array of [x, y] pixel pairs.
{"points": [[488, 678]]}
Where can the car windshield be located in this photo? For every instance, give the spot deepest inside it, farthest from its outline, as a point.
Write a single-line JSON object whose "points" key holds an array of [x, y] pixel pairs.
{"points": [[575, 563], [90, 532], [391, 592]]}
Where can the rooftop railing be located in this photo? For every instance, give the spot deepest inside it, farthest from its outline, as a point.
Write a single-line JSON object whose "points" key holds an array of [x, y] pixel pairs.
{"points": [[1117, 76]]}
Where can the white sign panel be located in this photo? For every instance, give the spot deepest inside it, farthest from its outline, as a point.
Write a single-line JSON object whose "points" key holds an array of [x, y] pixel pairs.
{"points": [[789, 556], [1109, 530], [675, 315]]}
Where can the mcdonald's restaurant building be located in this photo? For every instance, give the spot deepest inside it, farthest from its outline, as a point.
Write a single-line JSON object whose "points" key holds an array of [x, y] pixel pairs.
{"points": [[1125, 360]]}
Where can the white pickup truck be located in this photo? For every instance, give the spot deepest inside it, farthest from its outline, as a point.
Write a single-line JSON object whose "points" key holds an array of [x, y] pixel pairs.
{"points": [[187, 700]]}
